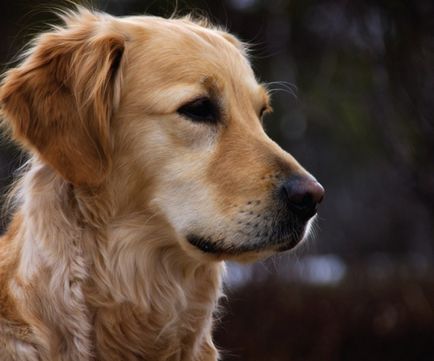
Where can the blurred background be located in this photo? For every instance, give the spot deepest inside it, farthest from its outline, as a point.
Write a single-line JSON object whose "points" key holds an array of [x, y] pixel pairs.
{"points": [[353, 94]]}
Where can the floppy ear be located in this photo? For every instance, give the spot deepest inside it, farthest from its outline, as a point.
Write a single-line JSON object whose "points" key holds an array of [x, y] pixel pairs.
{"points": [[59, 101]]}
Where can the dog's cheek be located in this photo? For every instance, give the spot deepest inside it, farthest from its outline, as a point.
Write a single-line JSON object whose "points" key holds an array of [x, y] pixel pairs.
{"points": [[177, 167], [184, 197]]}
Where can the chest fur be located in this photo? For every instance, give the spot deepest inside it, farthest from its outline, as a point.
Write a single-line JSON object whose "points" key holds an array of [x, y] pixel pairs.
{"points": [[168, 329]]}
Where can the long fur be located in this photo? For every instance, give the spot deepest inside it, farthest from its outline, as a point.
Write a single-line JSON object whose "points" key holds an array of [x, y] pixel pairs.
{"points": [[135, 301]]}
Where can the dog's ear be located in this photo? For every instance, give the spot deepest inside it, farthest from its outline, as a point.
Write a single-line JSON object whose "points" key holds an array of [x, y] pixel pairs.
{"points": [[59, 101]]}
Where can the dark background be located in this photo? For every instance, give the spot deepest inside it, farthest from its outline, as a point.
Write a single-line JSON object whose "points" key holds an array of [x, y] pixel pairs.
{"points": [[353, 93]]}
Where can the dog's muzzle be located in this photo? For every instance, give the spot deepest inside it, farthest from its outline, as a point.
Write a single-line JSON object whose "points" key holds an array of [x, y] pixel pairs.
{"points": [[280, 227]]}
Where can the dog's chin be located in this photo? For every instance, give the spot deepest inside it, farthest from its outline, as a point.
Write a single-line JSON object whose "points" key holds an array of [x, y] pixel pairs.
{"points": [[247, 251]]}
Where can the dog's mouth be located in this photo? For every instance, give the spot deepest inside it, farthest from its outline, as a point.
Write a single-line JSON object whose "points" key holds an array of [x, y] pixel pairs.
{"points": [[282, 238]]}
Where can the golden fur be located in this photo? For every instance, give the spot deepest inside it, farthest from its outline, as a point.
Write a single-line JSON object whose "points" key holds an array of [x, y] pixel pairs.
{"points": [[95, 264]]}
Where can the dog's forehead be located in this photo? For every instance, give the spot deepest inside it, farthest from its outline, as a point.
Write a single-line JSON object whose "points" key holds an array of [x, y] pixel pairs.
{"points": [[182, 51]]}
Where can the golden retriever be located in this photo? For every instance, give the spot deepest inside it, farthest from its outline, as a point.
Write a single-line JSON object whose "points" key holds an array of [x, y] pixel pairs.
{"points": [[148, 167]]}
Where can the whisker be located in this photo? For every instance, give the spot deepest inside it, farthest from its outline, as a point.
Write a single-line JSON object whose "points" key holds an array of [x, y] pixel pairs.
{"points": [[282, 86]]}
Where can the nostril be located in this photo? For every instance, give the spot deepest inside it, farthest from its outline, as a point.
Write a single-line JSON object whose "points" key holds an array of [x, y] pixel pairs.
{"points": [[302, 195]]}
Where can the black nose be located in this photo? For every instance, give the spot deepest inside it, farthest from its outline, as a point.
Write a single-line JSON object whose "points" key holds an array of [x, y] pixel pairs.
{"points": [[302, 195]]}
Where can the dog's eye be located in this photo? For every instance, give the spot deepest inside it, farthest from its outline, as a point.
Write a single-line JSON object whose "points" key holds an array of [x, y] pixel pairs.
{"points": [[200, 110]]}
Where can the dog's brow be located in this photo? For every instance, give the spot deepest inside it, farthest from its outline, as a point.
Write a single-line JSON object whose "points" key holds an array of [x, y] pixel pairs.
{"points": [[265, 98], [211, 84], [179, 94]]}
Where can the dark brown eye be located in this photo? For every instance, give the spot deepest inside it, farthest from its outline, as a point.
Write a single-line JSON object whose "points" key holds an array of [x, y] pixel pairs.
{"points": [[200, 110]]}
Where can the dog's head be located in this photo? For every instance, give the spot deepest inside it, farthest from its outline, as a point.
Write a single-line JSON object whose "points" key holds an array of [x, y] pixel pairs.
{"points": [[168, 110]]}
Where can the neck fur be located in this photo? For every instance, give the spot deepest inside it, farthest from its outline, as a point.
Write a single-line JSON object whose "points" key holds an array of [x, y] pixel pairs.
{"points": [[113, 267]]}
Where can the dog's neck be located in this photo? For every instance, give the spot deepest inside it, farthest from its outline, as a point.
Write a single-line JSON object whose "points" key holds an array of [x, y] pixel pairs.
{"points": [[137, 291]]}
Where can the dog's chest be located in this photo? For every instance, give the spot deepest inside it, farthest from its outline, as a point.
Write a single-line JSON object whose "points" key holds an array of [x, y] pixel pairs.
{"points": [[128, 333]]}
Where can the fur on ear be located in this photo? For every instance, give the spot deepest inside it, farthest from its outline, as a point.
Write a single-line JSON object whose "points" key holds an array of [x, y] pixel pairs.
{"points": [[59, 101]]}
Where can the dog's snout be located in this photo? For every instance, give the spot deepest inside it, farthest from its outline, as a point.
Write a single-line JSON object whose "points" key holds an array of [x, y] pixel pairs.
{"points": [[302, 195]]}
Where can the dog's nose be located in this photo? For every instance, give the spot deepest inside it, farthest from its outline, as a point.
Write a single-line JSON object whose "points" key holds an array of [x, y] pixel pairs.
{"points": [[302, 195]]}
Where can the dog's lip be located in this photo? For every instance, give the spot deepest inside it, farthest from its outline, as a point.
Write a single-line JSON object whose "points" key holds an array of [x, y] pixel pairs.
{"points": [[206, 245]]}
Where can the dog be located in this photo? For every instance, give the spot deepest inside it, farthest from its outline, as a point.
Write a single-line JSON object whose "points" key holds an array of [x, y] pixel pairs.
{"points": [[148, 167]]}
